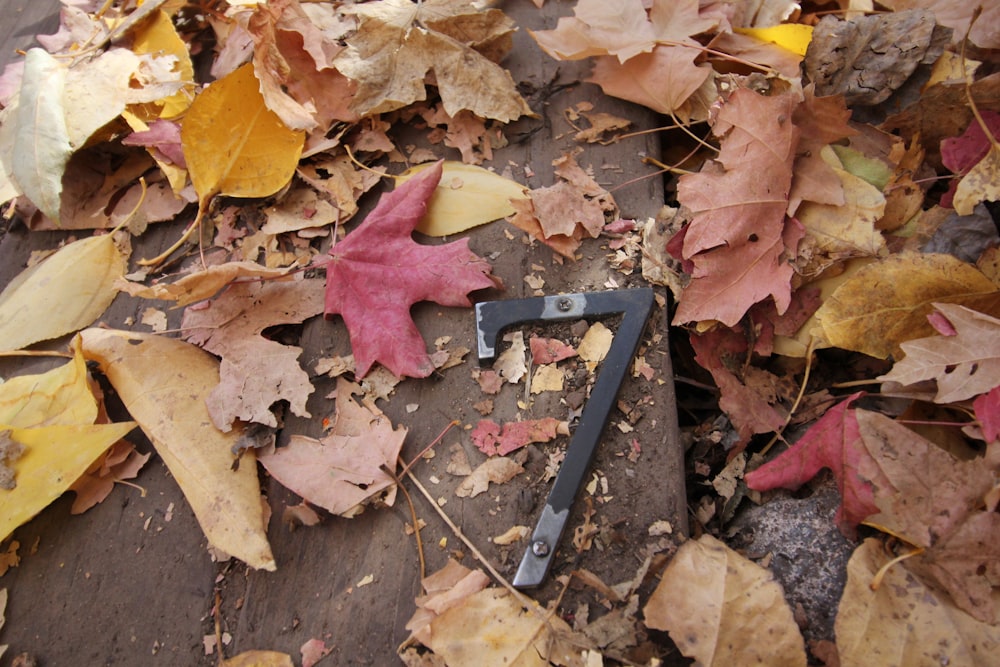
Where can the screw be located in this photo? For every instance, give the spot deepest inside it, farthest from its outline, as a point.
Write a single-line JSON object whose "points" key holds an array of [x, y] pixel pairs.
{"points": [[564, 304], [540, 549]]}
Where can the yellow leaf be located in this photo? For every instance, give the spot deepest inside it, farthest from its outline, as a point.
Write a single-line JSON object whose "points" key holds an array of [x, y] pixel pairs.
{"points": [[905, 621], [54, 457], [234, 145], [259, 659], [158, 37], [887, 302], [61, 396], [164, 383], [793, 37], [723, 609], [62, 294], [466, 197], [981, 183]]}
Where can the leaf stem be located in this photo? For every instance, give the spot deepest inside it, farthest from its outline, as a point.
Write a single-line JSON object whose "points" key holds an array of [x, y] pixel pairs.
{"points": [[195, 224]]}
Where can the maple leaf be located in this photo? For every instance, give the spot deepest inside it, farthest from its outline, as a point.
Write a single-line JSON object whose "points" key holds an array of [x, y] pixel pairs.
{"points": [[398, 43], [934, 501], [343, 469], [255, 372], [832, 443], [493, 440], [378, 272], [737, 238], [963, 365]]}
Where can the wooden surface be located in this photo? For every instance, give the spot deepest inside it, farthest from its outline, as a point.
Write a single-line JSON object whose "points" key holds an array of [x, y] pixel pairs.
{"points": [[130, 582]]}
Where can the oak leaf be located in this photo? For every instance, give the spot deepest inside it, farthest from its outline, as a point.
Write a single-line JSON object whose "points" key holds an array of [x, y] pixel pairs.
{"points": [[833, 442], [378, 272], [938, 503], [737, 240], [255, 372], [398, 44], [964, 364], [706, 600]]}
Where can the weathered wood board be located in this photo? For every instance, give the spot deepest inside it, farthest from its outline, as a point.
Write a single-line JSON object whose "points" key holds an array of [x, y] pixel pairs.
{"points": [[130, 582]]}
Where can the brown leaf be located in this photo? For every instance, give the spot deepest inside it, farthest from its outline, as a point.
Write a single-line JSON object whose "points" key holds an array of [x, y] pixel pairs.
{"points": [[255, 372], [935, 502], [498, 470]]}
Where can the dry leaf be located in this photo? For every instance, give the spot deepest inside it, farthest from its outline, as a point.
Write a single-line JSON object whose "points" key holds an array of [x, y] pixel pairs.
{"points": [[64, 293], [886, 303], [905, 621], [164, 383], [61, 396], [981, 183], [498, 470], [229, 118], [964, 364], [158, 36], [202, 284], [722, 609], [595, 345], [345, 468], [259, 659], [466, 196], [121, 461], [255, 372]]}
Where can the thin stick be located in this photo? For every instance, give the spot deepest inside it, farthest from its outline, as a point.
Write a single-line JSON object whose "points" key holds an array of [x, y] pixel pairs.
{"points": [[798, 399], [413, 517]]}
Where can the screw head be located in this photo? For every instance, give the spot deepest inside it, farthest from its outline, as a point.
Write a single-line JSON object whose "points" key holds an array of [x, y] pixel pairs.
{"points": [[564, 304], [540, 549]]}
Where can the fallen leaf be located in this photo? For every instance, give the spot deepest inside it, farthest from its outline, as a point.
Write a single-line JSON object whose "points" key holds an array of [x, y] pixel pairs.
{"points": [[465, 624], [259, 659], [959, 17], [64, 293], [61, 396], [722, 609], [511, 535], [493, 440], [203, 284], [547, 377], [904, 621], [964, 364], [163, 383], [980, 183], [313, 651], [549, 350], [158, 36], [833, 442], [737, 236], [466, 196], [886, 303], [398, 44], [378, 272], [121, 461], [867, 58], [260, 151], [962, 153], [498, 470], [934, 501], [345, 468], [794, 37], [987, 409], [256, 372], [594, 345]]}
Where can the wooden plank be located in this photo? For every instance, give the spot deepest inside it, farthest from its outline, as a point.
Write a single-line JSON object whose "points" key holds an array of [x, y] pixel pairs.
{"points": [[112, 589]]}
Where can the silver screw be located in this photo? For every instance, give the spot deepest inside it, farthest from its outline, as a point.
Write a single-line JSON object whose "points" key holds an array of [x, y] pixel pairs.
{"points": [[540, 549], [564, 304]]}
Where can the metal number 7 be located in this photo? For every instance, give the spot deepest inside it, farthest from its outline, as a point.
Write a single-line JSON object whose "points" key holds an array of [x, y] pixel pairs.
{"points": [[492, 317]]}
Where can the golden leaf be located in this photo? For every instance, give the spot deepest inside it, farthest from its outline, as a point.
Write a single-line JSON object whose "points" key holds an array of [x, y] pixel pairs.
{"points": [[886, 303], [54, 457], [467, 196], [234, 145], [62, 294], [159, 37], [61, 396], [259, 659], [164, 382]]}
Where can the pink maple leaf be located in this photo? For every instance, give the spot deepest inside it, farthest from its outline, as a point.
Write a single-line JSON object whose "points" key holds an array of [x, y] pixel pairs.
{"points": [[833, 442], [494, 440], [987, 409], [378, 272]]}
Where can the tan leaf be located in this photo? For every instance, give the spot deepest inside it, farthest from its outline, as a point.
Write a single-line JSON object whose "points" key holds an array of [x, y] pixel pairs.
{"points": [[498, 470], [981, 183], [259, 659], [255, 372], [964, 365], [163, 383], [905, 621], [250, 154], [399, 43], [722, 609], [887, 302], [62, 294], [201, 285], [466, 196], [345, 468]]}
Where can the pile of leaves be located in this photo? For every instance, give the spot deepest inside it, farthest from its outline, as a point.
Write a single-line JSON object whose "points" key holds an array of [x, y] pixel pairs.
{"points": [[832, 227]]}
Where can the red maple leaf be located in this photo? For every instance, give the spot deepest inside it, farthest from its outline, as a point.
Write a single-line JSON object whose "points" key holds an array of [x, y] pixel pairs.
{"points": [[378, 272], [832, 442]]}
